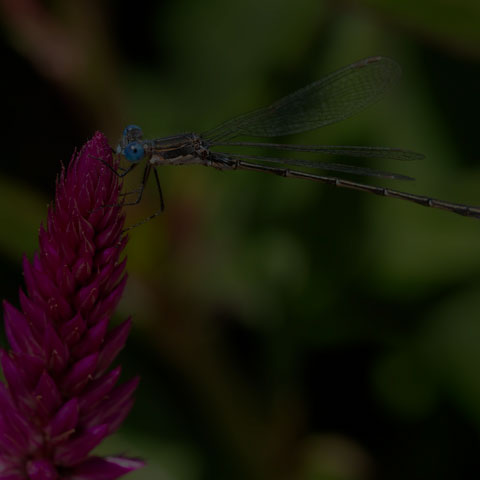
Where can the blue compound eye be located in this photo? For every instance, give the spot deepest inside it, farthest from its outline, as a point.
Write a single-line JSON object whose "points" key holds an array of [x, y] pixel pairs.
{"points": [[134, 152]]}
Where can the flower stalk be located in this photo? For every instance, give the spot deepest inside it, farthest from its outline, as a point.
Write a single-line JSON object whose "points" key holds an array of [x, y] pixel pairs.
{"points": [[60, 398]]}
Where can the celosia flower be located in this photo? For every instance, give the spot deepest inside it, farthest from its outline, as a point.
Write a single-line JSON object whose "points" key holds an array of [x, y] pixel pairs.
{"points": [[60, 399]]}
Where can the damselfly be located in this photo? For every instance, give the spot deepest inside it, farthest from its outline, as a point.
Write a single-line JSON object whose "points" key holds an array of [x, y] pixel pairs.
{"points": [[329, 100]]}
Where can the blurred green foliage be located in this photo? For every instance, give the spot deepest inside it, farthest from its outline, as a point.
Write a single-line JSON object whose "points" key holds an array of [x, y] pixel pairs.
{"points": [[283, 330]]}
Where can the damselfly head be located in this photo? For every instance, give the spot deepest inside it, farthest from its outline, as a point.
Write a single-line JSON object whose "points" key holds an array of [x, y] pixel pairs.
{"points": [[131, 133]]}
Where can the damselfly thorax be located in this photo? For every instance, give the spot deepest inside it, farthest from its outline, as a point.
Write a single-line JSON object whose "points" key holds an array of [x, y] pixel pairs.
{"points": [[183, 149]]}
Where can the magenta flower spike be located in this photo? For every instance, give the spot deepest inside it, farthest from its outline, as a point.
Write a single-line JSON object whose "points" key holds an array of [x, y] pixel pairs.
{"points": [[61, 399]]}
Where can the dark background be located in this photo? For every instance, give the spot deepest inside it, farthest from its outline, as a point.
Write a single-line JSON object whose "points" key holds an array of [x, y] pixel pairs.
{"points": [[283, 330]]}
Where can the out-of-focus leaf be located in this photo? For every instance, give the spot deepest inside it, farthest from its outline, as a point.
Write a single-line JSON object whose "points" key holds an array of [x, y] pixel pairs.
{"points": [[440, 359], [452, 347], [404, 383], [21, 211], [333, 457], [164, 460], [451, 22]]}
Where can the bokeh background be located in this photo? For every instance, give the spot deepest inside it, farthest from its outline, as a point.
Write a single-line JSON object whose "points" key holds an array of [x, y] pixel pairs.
{"points": [[283, 330]]}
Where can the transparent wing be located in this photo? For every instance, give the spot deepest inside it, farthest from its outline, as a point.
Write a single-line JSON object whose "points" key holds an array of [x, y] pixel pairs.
{"points": [[350, 151], [334, 167], [326, 101]]}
